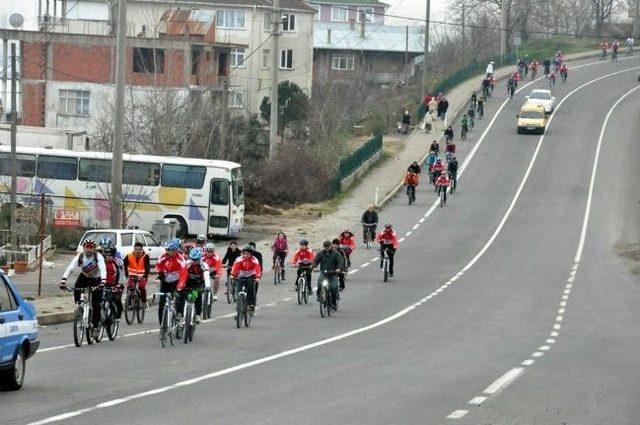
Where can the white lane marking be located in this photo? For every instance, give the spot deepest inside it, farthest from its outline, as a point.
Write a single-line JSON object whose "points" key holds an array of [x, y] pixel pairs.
{"points": [[416, 226], [528, 362], [567, 291], [550, 341], [364, 265], [453, 279], [401, 240], [571, 279], [553, 334], [594, 171], [563, 303], [561, 311], [269, 305], [569, 285], [557, 326], [375, 258], [408, 233], [565, 297], [287, 299], [477, 401], [353, 271], [572, 273], [457, 414], [537, 354], [574, 267], [459, 274], [421, 220], [503, 381], [544, 348], [439, 290], [59, 347]]}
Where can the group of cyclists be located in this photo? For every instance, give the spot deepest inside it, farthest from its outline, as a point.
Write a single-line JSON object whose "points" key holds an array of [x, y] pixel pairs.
{"points": [[614, 46]]}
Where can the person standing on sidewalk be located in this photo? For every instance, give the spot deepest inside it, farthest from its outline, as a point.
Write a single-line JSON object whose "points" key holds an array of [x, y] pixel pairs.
{"points": [[406, 122], [443, 106]]}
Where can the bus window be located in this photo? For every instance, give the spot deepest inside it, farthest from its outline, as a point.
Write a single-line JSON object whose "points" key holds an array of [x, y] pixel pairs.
{"points": [[95, 170], [186, 176], [141, 173], [237, 186], [218, 221], [26, 165], [219, 192], [57, 167]]}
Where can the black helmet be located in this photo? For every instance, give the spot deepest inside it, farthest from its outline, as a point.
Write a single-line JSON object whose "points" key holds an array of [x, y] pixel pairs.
{"points": [[247, 248]]}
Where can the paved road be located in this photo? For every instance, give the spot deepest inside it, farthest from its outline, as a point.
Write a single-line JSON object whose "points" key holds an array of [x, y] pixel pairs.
{"points": [[491, 302]]}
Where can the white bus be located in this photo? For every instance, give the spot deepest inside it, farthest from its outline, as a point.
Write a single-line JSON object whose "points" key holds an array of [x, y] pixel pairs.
{"points": [[204, 196]]}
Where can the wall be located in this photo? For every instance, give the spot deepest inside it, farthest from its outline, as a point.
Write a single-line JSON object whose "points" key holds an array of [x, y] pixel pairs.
{"points": [[382, 68], [325, 13], [37, 137]]}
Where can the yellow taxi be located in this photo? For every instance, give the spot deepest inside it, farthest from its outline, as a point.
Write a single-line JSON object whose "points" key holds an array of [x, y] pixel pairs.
{"points": [[532, 118]]}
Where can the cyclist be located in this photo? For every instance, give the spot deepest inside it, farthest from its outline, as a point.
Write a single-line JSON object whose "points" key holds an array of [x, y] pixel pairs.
{"points": [[280, 249], [113, 278], [388, 240], [464, 127], [471, 113], [486, 87], [172, 271], [451, 151], [303, 259], [93, 275], [137, 264], [480, 107], [246, 270], [489, 70], [448, 133], [105, 243], [232, 254], [552, 79], [614, 49], [342, 274], [452, 168], [533, 67], [330, 262], [511, 86], [474, 99], [370, 221], [258, 256], [442, 184], [411, 180], [431, 158], [603, 49], [197, 277], [437, 169], [215, 267], [347, 244], [629, 45], [414, 168], [546, 64], [564, 72], [435, 147]]}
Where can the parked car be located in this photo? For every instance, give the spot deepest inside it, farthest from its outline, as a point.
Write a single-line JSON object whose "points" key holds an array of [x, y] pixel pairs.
{"points": [[532, 118], [123, 239], [544, 98], [18, 335]]}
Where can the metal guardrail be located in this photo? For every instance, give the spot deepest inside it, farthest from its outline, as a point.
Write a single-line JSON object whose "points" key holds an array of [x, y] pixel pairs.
{"points": [[29, 251], [354, 160]]}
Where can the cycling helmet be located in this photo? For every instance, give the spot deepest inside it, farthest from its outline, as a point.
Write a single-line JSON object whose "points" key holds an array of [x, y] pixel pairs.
{"points": [[304, 242], [209, 247], [196, 253], [105, 242], [89, 243], [201, 239], [387, 226], [172, 245], [247, 248], [110, 250]]}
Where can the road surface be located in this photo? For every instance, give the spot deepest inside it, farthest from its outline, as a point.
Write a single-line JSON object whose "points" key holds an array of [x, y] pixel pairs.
{"points": [[506, 298]]}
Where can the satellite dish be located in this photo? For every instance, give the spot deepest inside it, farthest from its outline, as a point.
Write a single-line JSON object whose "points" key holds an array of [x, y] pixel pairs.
{"points": [[16, 20]]}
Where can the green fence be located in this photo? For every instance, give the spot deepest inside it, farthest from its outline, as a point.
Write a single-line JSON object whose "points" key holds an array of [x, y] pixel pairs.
{"points": [[469, 71], [354, 160]]}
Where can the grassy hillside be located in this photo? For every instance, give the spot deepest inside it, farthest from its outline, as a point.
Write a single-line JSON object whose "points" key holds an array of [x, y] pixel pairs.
{"points": [[542, 48]]}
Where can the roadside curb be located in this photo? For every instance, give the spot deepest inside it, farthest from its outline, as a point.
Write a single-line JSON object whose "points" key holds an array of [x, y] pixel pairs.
{"points": [[456, 115], [55, 318]]}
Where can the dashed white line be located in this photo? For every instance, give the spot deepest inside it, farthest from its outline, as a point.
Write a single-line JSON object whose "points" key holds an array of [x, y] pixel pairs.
{"points": [[287, 299], [364, 265], [408, 233], [550, 341], [544, 348], [401, 240], [415, 226], [422, 220], [457, 414], [353, 271], [477, 401], [561, 311], [537, 354], [504, 380], [559, 319], [528, 362], [269, 305], [553, 334]]}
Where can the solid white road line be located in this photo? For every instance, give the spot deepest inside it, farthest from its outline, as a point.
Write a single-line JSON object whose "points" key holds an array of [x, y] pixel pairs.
{"points": [[503, 381]]}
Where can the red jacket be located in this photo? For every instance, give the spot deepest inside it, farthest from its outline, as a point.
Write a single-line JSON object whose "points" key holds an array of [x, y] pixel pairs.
{"points": [[303, 256], [438, 166], [443, 180], [411, 179], [348, 240], [246, 267], [451, 147], [113, 273], [173, 268], [215, 264], [388, 237]]}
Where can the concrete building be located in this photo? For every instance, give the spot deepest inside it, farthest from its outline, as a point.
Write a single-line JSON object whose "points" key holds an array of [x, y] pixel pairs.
{"points": [[244, 23], [372, 11]]}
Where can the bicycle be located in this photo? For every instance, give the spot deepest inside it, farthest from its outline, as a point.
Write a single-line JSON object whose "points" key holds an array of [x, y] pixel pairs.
{"points": [[442, 193], [243, 313], [303, 287], [82, 325], [277, 271], [603, 54], [169, 325], [230, 286], [189, 313], [614, 55], [563, 76], [411, 193], [369, 233], [207, 303], [480, 111], [463, 132], [454, 182], [326, 297], [133, 305], [385, 264], [108, 311]]}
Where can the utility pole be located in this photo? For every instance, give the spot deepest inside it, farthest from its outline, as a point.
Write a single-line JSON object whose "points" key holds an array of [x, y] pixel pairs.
{"points": [[426, 49], [14, 130], [464, 34], [275, 62], [636, 20], [406, 54], [118, 131], [503, 28]]}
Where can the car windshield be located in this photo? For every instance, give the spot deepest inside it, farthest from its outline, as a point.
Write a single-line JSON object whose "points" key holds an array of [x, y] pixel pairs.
{"points": [[97, 236], [531, 114], [540, 95]]}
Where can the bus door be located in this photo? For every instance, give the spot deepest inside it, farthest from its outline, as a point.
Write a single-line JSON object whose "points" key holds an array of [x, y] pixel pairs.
{"points": [[219, 207]]}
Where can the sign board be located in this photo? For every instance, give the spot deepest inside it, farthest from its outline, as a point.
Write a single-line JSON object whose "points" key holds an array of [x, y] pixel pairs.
{"points": [[66, 218], [517, 41]]}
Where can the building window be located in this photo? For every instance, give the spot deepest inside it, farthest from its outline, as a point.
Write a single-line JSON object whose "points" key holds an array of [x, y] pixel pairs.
{"points": [[343, 62], [237, 58], [74, 102], [338, 14], [236, 97], [286, 59], [367, 12], [148, 61], [288, 22], [265, 59], [268, 21], [230, 18]]}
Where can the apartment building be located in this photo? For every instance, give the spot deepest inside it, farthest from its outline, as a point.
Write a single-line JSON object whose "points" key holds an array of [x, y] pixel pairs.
{"points": [[246, 24], [345, 11]]}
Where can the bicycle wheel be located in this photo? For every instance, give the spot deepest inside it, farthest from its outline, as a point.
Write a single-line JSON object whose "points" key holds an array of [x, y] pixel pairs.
{"points": [[228, 286], [239, 310], [385, 270], [205, 304], [164, 328], [140, 310], [305, 293], [248, 315], [188, 313], [329, 301], [100, 333], [129, 309], [323, 302], [113, 325], [173, 326], [441, 199], [301, 289], [88, 326], [209, 310], [78, 327]]}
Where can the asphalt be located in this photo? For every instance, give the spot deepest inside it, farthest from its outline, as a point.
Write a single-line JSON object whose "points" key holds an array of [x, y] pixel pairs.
{"points": [[468, 305]]}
